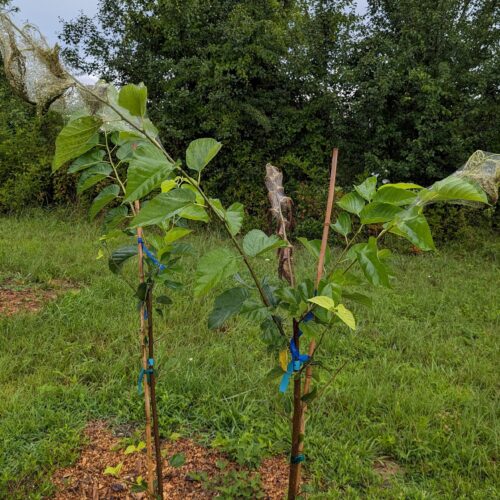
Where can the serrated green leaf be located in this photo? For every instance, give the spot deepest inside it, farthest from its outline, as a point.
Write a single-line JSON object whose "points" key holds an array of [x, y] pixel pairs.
{"points": [[256, 243], [87, 160], [452, 188], [343, 224], [227, 304], [367, 188], [323, 301], [133, 98], [75, 139], [377, 212], [352, 202], [200, 152], [92, 176], [374, 270], [162, 207], [148, 168], [346, 316], [214, 267], [168, 185], [413, 226], [394, 196], [114, 471], [164, 300], [107, 195], [120, 256], [194, 212], [234, 218]]}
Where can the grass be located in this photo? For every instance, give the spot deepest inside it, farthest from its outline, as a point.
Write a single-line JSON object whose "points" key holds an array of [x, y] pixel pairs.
{"points": [[419, 389]]}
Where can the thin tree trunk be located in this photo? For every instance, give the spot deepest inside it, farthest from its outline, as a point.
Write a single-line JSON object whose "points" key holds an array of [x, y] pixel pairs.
{"points": [[156, 433], [294, 475], [144, 356]]}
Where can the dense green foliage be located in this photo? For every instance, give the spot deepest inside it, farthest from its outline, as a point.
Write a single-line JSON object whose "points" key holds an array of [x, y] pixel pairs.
{"points": [[419, 388], [409, 92], [26, 149]]}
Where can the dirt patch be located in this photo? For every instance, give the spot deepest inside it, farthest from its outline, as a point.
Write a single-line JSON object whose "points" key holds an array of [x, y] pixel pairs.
{"points": [[18, 295], [202, 470], [387, 469]]}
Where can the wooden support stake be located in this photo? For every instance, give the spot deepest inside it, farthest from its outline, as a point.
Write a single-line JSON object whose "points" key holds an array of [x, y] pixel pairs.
{"points": [[144, 356], [312, 345]]}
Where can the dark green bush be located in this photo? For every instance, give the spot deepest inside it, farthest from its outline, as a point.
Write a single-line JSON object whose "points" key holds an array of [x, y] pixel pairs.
{"points": [[26, 149]]}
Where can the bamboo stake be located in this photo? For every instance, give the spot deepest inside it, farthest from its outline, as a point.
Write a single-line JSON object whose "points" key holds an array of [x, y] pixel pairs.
{"points": [[312, 344], [328, 216], [144, 355]]}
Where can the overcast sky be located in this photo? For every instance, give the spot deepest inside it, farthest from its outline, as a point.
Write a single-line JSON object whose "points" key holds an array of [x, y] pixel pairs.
{"points": [[46, 13]]}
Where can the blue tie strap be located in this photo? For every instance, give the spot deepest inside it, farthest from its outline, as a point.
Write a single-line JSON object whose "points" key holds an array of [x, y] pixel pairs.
{"points": [[297, 459], [297, 359], [145, 371], [150, 255]]}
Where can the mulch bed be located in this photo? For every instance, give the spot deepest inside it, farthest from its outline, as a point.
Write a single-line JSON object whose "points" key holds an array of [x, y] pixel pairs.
{"points": [[18, 295], [86, 478]]}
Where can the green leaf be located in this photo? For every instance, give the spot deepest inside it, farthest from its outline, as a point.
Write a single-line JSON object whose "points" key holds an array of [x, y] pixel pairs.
{"points": [[200, 152], [176, 233], [351, 202], [168, 185], [120, 256], [413, 226], [108, 194], [92, 176], [234, 218], [114, 471], [194, 212], [133, 98], [162, 207], [89, 159], [75, 139], [452, 188], [394, 196], [346, 316], [114, 217], [164, 300], [314, 247], [401, 185], [376, 212], [177, 460], [323, 301], [374, 270], [141, 292], [256, 242], [343, 224], [367, 188], [214, 267], [148, 168], [310, 396], [227, 304]]}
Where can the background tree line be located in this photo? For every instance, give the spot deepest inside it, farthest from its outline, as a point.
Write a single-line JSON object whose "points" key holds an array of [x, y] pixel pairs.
{"points": [[408, 91]]}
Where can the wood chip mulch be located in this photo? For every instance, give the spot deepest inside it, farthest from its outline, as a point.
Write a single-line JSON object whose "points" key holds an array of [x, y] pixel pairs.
{"points": [[86, 478], [20, 296]]}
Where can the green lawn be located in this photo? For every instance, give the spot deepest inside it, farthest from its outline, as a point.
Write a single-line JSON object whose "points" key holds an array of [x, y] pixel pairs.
{"points": [[420, 387]]}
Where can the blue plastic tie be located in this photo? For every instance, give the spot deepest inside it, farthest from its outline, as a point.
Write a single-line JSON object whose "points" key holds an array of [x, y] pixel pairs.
{"points": [[297, 459], [297, 359], [145, 371], [151, 257]]}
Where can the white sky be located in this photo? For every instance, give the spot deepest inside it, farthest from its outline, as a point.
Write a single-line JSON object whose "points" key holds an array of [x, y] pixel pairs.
{"points": [[46, 13]]}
